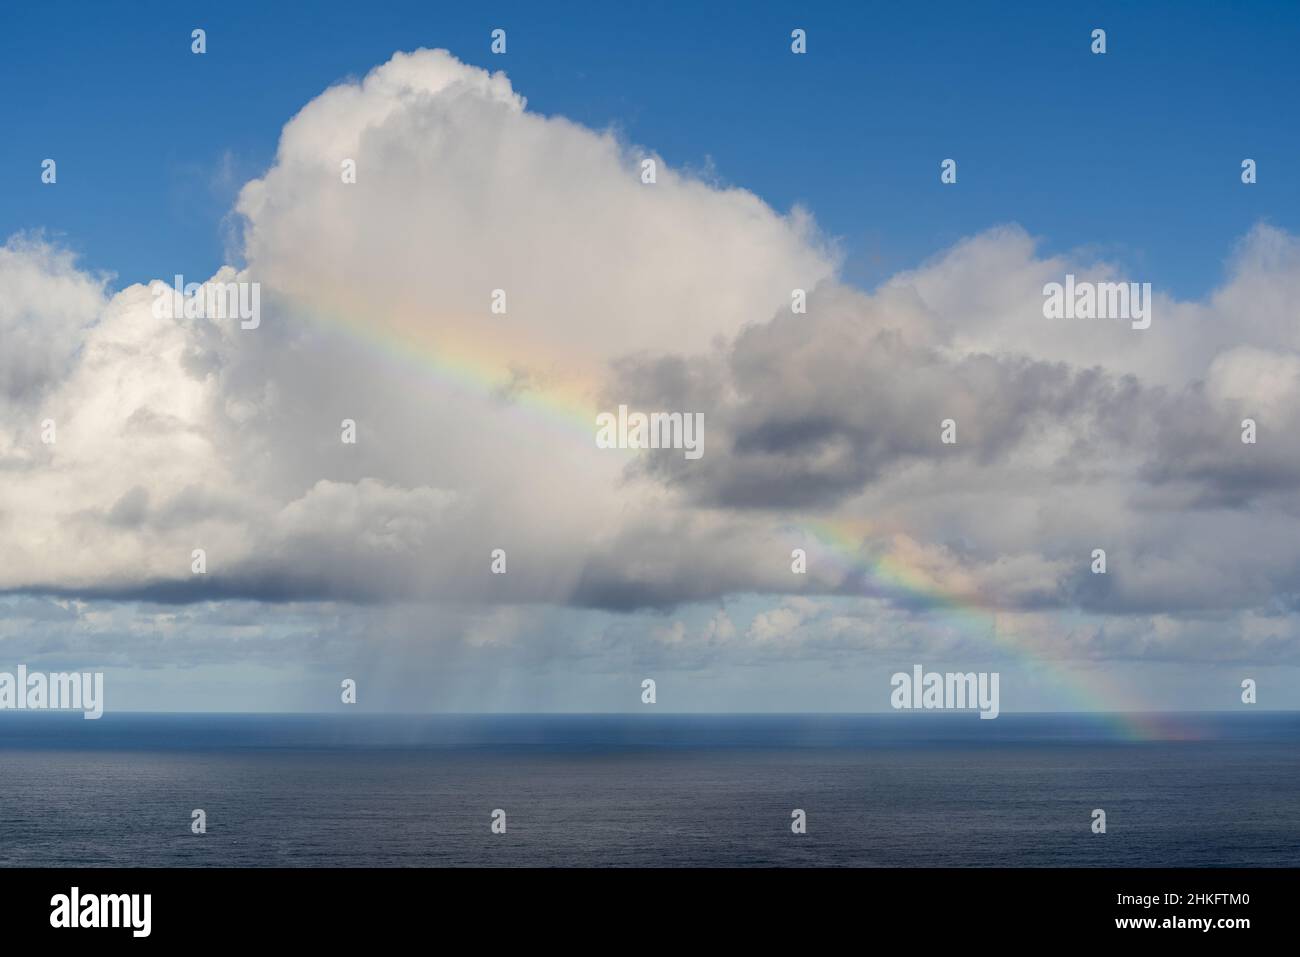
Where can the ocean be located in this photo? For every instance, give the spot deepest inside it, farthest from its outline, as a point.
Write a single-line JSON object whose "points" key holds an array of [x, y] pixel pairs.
{"points": [[897, 790]]}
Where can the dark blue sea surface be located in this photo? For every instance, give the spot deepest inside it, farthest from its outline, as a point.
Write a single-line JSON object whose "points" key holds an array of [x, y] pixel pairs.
{"points": [[650, 790]]}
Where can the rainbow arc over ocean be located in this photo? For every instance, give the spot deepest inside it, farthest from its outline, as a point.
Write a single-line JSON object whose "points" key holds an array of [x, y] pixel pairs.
{"points": [[470, 362]]}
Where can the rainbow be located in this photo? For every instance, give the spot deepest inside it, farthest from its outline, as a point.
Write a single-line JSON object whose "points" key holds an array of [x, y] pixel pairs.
{"points": [[471, 363]]}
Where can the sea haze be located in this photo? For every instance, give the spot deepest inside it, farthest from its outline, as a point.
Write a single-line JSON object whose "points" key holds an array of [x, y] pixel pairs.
{"points": [[649, 790]]}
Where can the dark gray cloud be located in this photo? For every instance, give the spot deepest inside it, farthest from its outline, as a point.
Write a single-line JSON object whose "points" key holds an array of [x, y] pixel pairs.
{"points": [[807, 411]]}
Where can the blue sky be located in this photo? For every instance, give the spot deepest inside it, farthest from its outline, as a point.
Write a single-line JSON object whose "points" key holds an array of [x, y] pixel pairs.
{"points": [[1134, 154]]}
